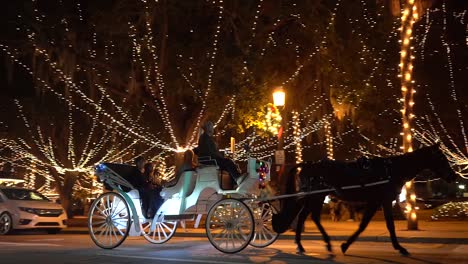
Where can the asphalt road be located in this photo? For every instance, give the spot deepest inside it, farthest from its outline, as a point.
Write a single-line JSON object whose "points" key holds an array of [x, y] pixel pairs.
{"points": [[67, 248]]}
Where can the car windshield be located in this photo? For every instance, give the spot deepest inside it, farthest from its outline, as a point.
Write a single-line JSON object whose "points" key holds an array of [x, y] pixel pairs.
{"points": [[21, 194]]}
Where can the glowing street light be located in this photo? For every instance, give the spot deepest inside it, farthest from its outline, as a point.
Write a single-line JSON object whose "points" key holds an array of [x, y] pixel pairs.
{"points": [[279, 96]]}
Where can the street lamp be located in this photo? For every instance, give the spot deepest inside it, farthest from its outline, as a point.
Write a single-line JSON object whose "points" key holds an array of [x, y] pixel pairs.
{"points": [[279, 96], [279, 99]]}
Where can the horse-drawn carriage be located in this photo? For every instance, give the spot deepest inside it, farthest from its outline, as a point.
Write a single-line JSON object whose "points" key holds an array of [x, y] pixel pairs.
{"points": [[239, 217], [235, 217]]}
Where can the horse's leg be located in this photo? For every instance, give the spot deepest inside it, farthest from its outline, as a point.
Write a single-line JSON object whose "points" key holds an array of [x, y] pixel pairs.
{"points": [[316, 218], [387, 208], [368, 214], [301, 217]]}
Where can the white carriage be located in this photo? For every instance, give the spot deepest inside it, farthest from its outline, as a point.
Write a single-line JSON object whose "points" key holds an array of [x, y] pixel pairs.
{"points": [[235, 218]]}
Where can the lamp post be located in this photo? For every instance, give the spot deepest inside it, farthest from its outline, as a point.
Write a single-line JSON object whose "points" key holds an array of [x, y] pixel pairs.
{"points": [[279, 100]]}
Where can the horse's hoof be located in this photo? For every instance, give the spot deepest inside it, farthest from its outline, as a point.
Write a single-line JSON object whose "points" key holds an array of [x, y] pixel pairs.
{"points": [[300, 250], [404, 252], [344, 247]]}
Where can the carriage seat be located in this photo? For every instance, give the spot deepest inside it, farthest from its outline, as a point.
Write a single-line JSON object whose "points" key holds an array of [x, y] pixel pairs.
{"points": [[207, 161], [184, 185], [134, 194]]}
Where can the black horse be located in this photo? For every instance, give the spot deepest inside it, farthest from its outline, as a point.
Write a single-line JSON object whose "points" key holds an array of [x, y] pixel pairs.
{"points": [[300, 208], [375, 182]]}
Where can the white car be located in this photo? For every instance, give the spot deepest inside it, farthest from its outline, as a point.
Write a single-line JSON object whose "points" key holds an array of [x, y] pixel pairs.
{"points": [[28, 209]]}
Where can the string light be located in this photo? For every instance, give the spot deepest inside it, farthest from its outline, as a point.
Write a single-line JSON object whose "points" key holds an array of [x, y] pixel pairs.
{"points": [[408, 18], [297, 136], [329, 140], [142, 46]]}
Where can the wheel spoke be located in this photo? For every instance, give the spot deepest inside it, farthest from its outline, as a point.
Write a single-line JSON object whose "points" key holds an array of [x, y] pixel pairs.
{"points": [[166, 226], [115, 205], [223, 232], [104, 230], [159, 231], [117, 213], [108, 203], [264, 235], [101, 211], [120, 224], [114, 229], [99, 223], [119, 218], [239, 238], [97, 216], [267, 230]]}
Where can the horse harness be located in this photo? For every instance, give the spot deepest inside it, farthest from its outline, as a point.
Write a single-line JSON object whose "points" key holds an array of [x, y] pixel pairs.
{"points": [[364, 170]]}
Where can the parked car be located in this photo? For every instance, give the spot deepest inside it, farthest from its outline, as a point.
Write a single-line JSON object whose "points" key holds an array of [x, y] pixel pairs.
{"points": [[28, 209]]}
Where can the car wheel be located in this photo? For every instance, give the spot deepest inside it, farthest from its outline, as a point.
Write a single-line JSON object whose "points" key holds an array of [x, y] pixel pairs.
{"points": [[54, 230], [6, 223]]}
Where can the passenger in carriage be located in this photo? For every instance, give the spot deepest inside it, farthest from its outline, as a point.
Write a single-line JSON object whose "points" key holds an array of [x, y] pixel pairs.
{"points": [[138, 180], [144, 181], [189, 164], [151, 200], [140, 162], [208, 147]]}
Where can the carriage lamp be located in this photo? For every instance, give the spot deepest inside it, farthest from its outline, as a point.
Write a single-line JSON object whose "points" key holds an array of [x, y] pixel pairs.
{"points": [[279, 96], [262, 170], [100, 167]]}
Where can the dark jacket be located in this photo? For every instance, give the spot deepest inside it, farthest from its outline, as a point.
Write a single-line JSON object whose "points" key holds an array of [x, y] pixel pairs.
{"points": [[208, 147]]}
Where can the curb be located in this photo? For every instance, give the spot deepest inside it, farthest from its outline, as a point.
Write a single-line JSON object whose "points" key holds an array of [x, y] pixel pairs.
{"points": [[429, 240]]}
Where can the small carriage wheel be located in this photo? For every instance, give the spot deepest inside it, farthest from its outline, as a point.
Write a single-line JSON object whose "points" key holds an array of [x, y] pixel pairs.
{"points": [[158, 230], [229, 225], [263, 215], [109, 220]]}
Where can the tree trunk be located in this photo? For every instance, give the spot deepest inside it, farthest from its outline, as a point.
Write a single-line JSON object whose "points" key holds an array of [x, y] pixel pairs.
{"points": [[65, 190]]}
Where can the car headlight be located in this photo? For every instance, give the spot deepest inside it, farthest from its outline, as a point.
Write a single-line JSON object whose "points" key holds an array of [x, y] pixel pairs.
{"points": [[28, 210]]}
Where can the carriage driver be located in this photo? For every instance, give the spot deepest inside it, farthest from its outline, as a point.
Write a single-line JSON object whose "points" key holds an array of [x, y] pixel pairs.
{"points": [[208, 147]]}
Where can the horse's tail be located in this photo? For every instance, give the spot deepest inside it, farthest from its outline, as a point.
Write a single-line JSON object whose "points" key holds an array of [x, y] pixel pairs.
{"points": [[289, 208]]}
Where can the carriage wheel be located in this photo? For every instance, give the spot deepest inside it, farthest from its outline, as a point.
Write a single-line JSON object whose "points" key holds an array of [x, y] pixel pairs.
{"points": [[109, 220], [264, 234], [162, 230], [229, 225]]}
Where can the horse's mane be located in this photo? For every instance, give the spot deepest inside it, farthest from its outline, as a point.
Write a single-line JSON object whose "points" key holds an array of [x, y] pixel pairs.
{"points": [[291, 180], [417, 152]]}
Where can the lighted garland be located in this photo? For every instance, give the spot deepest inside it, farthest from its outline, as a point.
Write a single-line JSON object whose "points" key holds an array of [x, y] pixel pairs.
{"points": [[147, 43], [451, 211]]}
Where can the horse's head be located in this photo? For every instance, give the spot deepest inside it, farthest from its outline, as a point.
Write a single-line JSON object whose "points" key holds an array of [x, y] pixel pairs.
{"points": [[440, 165]]}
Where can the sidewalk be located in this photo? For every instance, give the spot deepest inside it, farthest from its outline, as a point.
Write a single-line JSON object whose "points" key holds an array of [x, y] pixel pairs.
{"points": [[444, 232]]}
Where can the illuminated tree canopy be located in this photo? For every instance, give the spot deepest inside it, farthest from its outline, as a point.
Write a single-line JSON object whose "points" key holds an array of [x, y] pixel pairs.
{"points": [[110, 80]]}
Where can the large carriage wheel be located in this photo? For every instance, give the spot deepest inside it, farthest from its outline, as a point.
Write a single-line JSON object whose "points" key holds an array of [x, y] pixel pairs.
{"points": [[109, 220], [158, 230], [229, 225], [264, 234]]}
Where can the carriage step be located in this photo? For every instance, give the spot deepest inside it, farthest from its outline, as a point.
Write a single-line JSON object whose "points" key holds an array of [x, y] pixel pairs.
{"points": [[179, 217]]}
